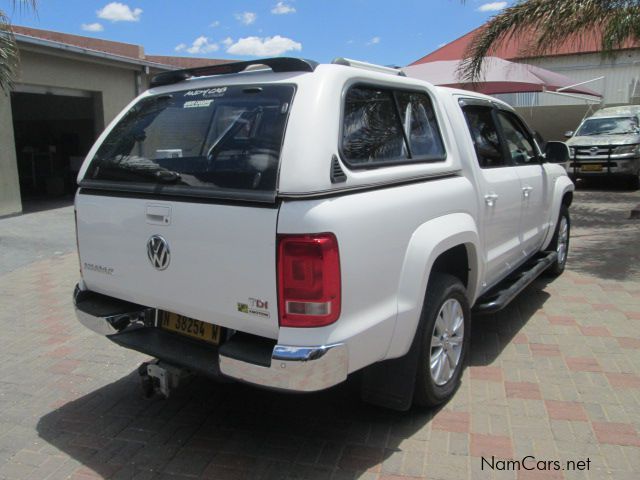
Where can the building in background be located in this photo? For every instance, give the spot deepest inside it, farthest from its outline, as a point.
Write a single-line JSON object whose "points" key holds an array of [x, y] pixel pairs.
{"points": [[616, 77], [68, 89]]}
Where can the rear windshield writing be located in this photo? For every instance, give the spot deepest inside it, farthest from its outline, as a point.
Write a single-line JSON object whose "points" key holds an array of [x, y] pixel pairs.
{"points": [[218, 138]]}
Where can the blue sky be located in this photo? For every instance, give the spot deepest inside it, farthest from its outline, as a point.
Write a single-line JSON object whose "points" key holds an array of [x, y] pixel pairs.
{"points": [[385, 32]]}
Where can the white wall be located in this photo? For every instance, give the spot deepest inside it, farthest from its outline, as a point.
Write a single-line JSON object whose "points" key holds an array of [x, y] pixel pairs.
{"points": [[114, 82], [621, 77]]}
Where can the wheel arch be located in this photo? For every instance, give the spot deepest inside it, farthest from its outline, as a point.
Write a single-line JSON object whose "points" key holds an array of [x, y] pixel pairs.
{"points": [[562, 195], [437, 245]]}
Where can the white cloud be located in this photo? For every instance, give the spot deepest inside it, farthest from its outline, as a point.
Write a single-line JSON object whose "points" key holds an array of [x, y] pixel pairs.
{"points": [[200, 45], [247, 18], [227, 42], [215, 24], [374, 41], [492, 7], [119, 12], [263, 47], [92, 27], [282, 8]]}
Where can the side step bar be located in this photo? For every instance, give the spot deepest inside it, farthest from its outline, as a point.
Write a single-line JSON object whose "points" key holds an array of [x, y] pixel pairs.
{"points": [[500, 296]]}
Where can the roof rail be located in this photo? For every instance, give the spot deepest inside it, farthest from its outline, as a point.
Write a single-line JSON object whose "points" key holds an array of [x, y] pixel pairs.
{"points": [[368, 66], [277, 65]]}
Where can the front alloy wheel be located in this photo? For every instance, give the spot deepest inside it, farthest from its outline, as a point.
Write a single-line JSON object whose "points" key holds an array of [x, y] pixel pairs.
{"points": [[560, 242], [563, 240]]}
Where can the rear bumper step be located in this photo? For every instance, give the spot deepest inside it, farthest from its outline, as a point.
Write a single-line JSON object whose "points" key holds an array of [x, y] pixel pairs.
{"points": [[171, 348], [500, 296], [244, 357]]}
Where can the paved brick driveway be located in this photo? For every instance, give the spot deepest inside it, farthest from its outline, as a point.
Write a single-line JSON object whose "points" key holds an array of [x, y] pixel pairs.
{"points": [[556, 376]]}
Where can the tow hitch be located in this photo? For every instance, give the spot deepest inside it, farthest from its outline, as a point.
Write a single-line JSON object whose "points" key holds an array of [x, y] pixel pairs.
{"points": [[160, 377]]}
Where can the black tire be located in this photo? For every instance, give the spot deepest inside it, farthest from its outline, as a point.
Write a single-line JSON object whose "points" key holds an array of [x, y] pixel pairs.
{"points": [[634, 182], [441, 289], [559, 265]]}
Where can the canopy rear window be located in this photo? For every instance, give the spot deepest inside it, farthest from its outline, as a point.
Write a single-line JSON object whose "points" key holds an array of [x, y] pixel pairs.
{"points": [[218, 142]]}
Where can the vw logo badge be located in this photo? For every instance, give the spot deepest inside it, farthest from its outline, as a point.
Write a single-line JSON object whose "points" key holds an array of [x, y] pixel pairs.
{"points": [[158, 252]]}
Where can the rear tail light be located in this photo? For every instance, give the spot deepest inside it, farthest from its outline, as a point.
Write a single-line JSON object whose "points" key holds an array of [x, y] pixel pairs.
{"points": [[308, 280]]}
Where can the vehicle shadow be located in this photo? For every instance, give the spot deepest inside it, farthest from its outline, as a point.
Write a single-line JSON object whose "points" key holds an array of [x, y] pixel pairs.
{"points": [[607, 184], [492, 333], [229, 430]]}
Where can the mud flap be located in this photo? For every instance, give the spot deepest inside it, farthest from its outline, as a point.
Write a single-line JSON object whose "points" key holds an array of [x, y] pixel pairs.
{"points": [[391, 383]]}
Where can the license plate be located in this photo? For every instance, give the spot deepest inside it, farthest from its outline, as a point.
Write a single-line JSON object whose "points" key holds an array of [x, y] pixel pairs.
{"points": [[591, 168], [189, 326]]}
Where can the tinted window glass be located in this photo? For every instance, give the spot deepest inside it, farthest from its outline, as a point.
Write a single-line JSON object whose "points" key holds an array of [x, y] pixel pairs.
{"points": [[419, 122], [219, 138], [519, 145], [371, 132], [485, 136]]}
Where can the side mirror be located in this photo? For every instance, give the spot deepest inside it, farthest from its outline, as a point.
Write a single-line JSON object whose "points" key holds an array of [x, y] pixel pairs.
{"points": [[568, 134], [556, 152]]}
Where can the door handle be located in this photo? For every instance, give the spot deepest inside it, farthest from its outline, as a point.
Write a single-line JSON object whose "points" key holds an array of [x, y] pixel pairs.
{"points": [[158, 214], [526, 191], [490, 199]]}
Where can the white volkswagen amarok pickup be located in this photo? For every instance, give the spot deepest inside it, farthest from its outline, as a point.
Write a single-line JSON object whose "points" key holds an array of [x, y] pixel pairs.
{"points": [[286, 224]]}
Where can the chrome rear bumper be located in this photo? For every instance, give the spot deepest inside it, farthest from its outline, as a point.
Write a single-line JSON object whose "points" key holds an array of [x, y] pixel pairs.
{"points": [[300, 369], [106, 315], [282, 367]]}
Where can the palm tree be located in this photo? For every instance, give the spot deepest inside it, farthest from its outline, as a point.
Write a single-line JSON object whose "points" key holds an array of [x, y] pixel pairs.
{"points": [[548, 23], [8, 49]]}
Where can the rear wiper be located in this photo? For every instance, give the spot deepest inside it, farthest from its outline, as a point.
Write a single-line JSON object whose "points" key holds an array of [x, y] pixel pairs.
{"points": [[160, 175], [167, 176]]}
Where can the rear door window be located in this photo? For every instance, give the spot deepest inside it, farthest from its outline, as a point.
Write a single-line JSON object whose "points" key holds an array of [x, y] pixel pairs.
{"points": [[484, 134], [518, 141], [201, 141]]}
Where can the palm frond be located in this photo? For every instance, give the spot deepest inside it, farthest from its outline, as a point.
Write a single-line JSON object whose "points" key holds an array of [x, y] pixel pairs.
{"points": [[8, 49], [8, 53], [550, 23]]}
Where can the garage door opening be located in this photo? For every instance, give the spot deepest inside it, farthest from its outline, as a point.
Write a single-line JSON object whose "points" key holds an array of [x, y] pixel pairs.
{"points": [[53, 133]]}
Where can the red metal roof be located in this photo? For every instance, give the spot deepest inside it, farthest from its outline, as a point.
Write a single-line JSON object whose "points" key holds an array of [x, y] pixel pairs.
{"points": [[115, 48], [515, 48]]}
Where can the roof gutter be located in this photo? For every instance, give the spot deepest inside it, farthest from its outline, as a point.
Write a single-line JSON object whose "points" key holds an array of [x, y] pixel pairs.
{"points": [[26, 39]]}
